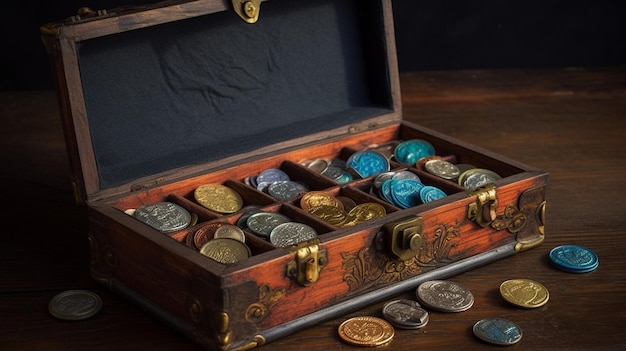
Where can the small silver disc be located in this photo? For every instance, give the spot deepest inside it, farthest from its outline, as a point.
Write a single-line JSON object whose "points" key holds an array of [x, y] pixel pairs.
{"points": [[73, 305], [444, 296]]}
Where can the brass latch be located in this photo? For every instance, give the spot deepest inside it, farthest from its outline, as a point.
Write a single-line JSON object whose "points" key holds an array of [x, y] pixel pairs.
{"points": [[483, 211], [404, 237], [248, 10], [310, 260]]}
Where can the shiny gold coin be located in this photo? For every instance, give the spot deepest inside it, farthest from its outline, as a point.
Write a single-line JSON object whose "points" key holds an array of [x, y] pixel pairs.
{"points": [[218, 198], [524, 293], [363, 213], [225, 250], [331, 214], [318, 198], [366, 331]]}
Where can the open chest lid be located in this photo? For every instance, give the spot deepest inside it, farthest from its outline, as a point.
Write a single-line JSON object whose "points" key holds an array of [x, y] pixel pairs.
{"points": [[157, 93]]}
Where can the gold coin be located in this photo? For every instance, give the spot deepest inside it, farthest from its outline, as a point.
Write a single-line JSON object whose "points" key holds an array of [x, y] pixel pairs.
{"points": [[331, 214], [524, 293], [318, 198], [225, 250], [366, 331], [218, 198], [363, 213]]}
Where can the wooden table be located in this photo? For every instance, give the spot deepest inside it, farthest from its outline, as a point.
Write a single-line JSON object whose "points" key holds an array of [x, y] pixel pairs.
{"points": [[571, 122]]}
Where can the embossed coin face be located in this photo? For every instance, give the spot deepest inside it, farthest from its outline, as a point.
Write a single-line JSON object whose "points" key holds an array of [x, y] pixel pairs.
{"points": [[262, 223], [319, 198], [366, 331], [406, 192], [444, 296], [410, 151], [524, 293], [291, 233], [497, 331], [286, 189], [405, 314], [430, 193], [477, 177], [364, 212], [331, 214], [574, 259], [75, 305], [230, 231], [367, 163], [442, 169], [218, 198], [225, 250], [166, 217]]}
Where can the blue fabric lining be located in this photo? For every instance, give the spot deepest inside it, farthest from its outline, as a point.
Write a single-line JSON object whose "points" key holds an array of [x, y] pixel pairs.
{"points": [[210, 87]]}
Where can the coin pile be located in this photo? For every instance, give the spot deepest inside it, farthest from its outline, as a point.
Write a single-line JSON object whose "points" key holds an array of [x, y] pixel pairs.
{"points": [[335, 169], [339, 211], [574, 259], [166, 217], [220, 241], [404, 189], [276, 183], [275, 227], [405, 314], [218, 198]]}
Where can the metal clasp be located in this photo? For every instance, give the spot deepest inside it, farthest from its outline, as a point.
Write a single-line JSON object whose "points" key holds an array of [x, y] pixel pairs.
{"points": [[248, 10], [404, 237], [309, 261], [483, 211]]}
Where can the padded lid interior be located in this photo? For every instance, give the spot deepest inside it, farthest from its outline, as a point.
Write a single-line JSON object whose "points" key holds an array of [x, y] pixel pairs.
{"points": [[209, 87]]}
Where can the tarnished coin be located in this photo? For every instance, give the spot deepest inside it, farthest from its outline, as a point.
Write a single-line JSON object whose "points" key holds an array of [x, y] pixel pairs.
{"points": [[166, 217], [364, 212], [405, 314], [410, 151], [262, 223], [366, 331], [225, 250], [477, 177], [218, 198], [75, 305], [367, 163], [291, 233], [497, 331], [286, 189], [347, 202], [442, 169], [574, 259], [318, 198], [205, 233], [444, 296], [230, 231], [524, 293]]}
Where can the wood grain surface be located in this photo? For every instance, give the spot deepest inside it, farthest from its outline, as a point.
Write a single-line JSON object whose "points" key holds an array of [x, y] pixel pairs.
{"points": [[570, 122]]}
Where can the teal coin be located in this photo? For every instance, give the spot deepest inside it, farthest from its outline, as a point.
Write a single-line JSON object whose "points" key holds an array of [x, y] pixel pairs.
{"points": [[497, 331], [368, 163], [410, 151], [406, 192], [430, 193], [574, 259]]}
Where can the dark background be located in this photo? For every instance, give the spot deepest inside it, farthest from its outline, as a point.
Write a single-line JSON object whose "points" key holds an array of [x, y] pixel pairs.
{"points": [[431, 35]]}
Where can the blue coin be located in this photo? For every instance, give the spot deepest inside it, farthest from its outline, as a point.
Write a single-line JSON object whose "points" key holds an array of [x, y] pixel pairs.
{"points": [[385, 190], [574, 259], [497, 331], [410, 151], [431, 193], [367, 163], [405, 192]]}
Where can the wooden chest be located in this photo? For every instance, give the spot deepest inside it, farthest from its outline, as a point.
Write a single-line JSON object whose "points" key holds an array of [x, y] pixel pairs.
{"points": [[163, 100]]}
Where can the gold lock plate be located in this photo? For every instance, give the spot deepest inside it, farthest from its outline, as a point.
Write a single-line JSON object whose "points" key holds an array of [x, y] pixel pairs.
{"points": [[404, 237], [309, 261], [248, 10], [483, 211]]}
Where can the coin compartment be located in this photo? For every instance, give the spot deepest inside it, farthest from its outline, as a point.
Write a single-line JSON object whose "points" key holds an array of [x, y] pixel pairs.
{"points": [[257, 245]]}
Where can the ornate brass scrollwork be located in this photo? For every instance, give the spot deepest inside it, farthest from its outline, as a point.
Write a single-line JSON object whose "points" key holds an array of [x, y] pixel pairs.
{"points": [[268, 297]]}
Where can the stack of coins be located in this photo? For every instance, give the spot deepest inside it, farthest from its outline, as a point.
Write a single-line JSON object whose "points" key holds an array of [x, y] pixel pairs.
{"points": [[405, 314], [335, 169], [335, 210], [404, 189], [574, 259], [220, 241], [218, 198], [276, 183]]}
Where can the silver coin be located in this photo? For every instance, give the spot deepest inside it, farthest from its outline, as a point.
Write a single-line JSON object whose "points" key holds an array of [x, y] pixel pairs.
{"points": [[444, 296], [442, 168], [230, 231], [475, 178], [262, 223], [75, 305], [406, 175], [291, 233], [166, 217], [333, 172], [286, 189], [317, 165], [497, 331], [381, 178], [405, 314]]}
